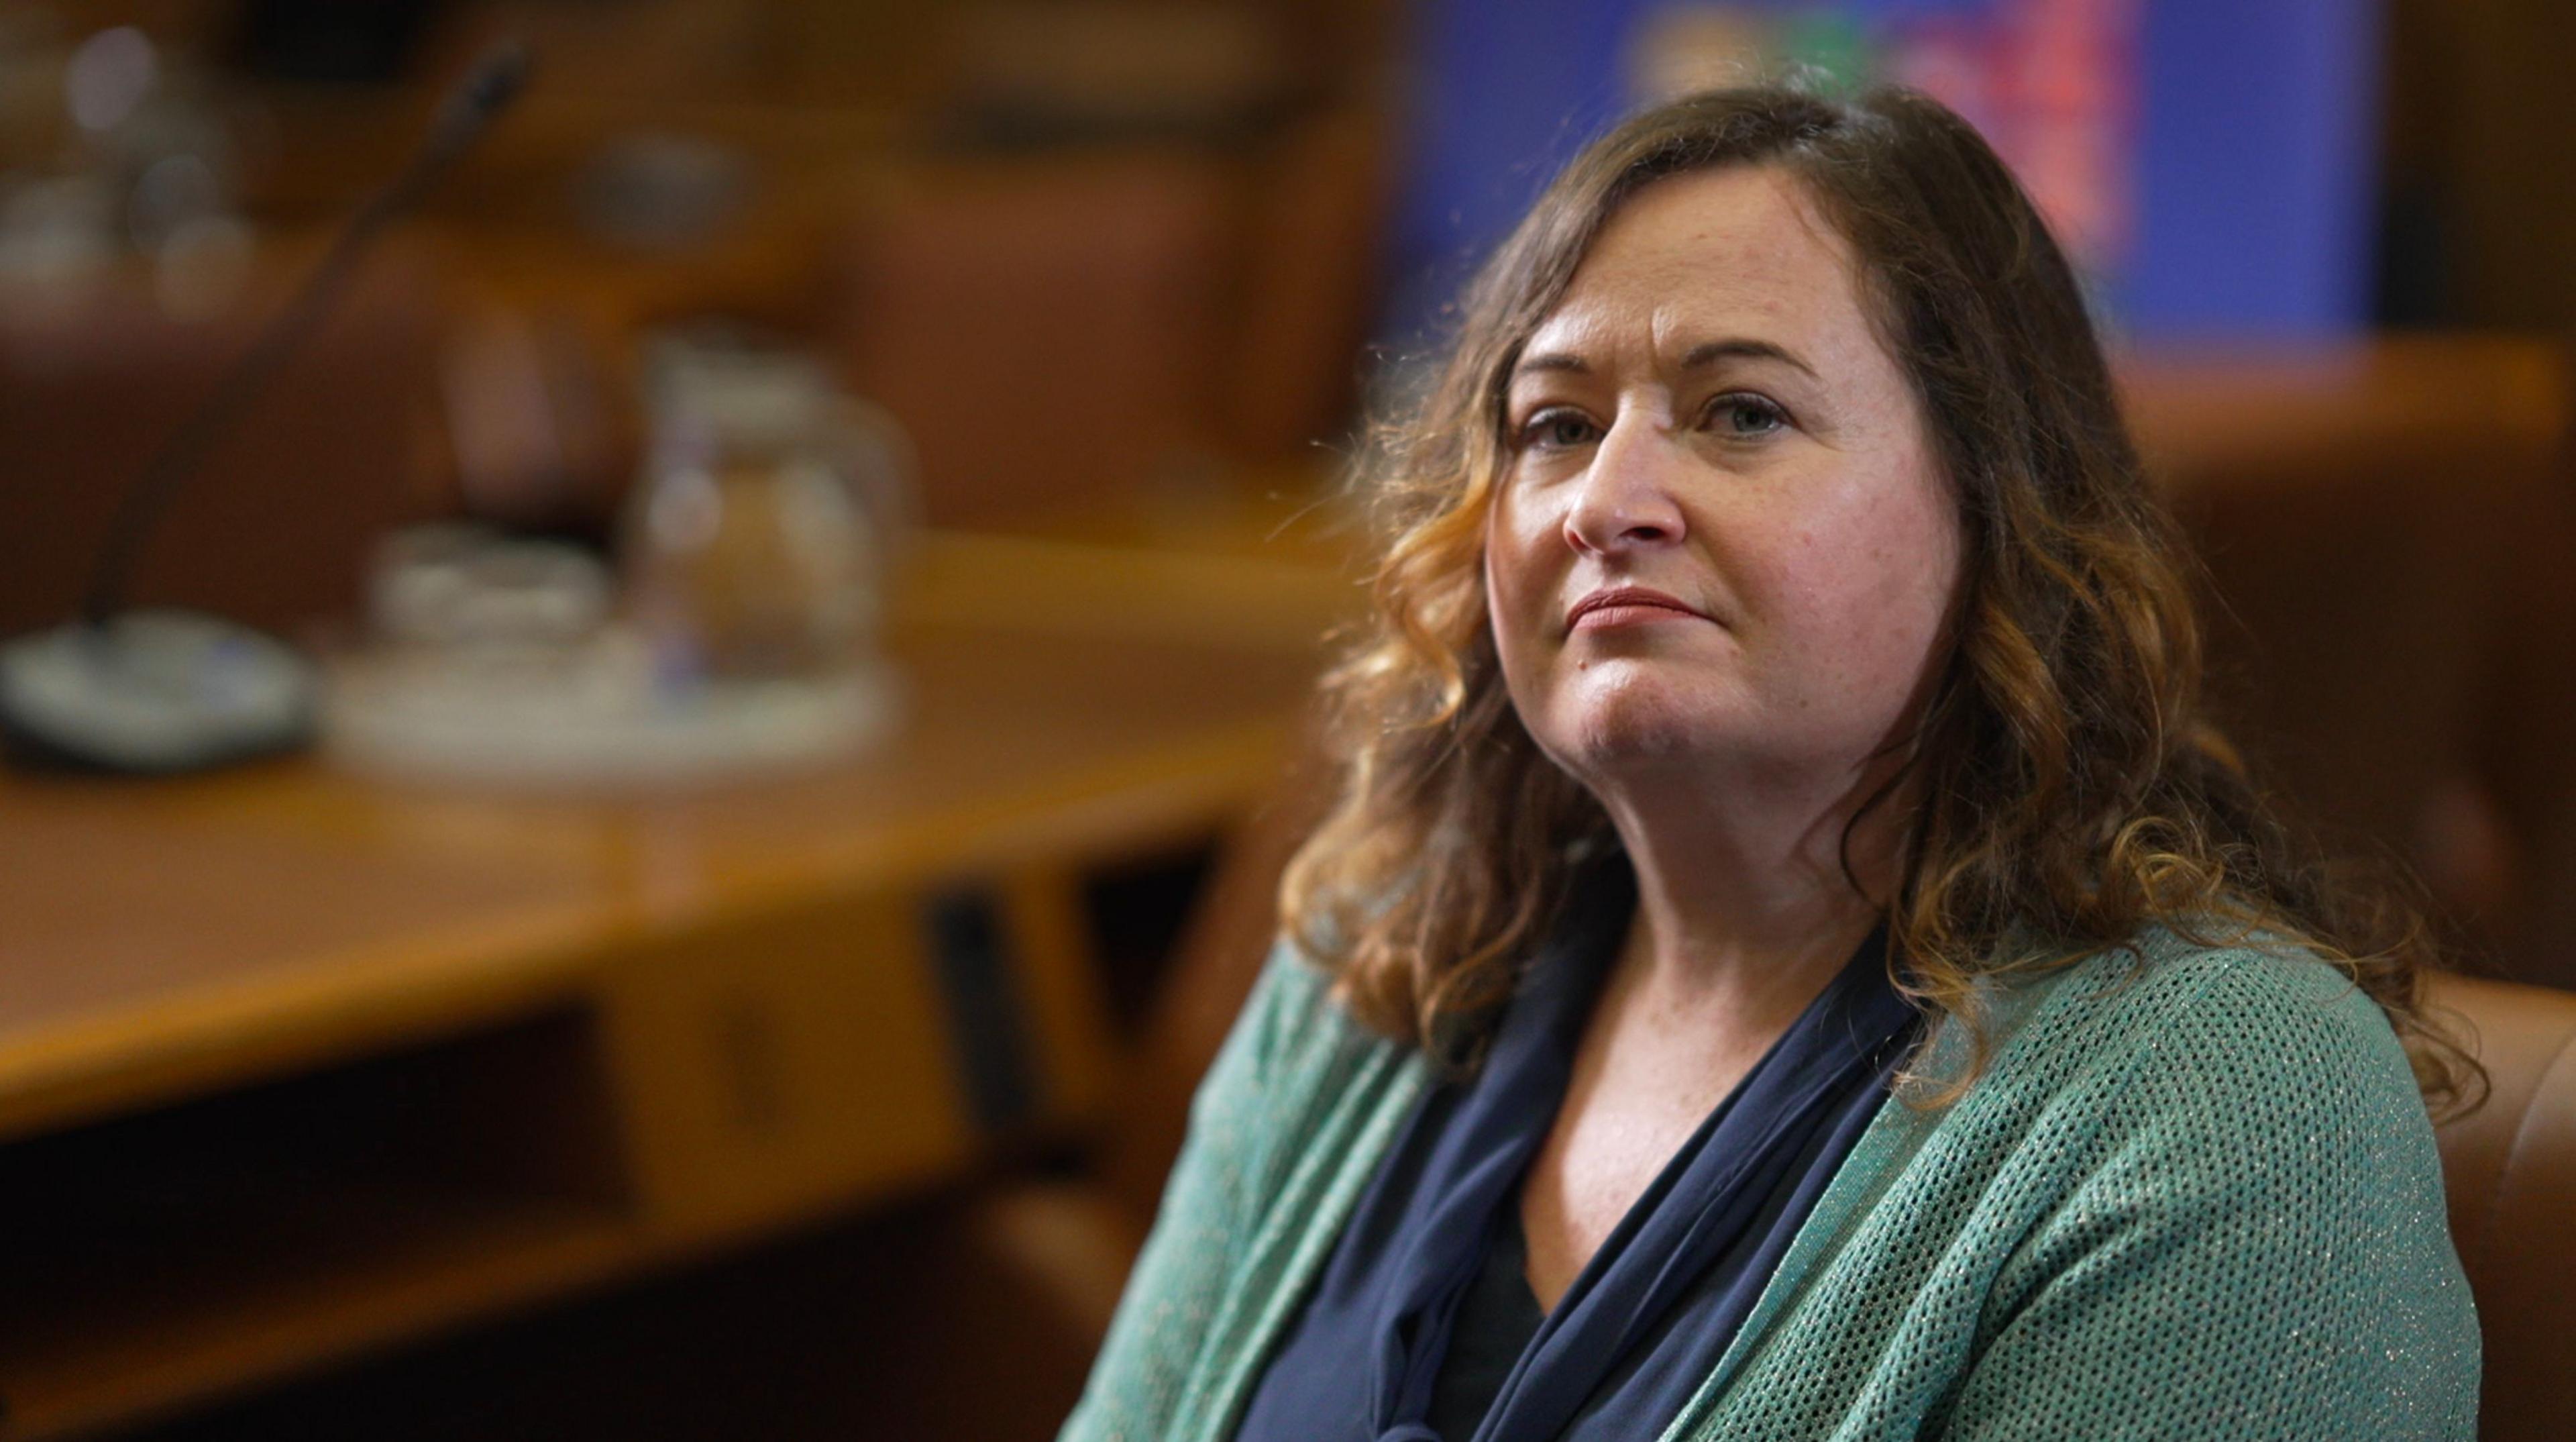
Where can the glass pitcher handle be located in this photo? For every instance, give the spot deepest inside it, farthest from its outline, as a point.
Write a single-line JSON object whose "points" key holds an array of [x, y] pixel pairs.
{"points": [[877, 455]]}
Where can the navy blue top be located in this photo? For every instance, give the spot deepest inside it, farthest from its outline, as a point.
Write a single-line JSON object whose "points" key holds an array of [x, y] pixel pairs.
{"points": [[1433, 1250]]}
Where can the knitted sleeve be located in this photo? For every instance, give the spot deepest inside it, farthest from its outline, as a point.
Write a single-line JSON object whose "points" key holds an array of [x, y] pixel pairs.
{"points": [[1146, 1361], [2256, 1248]]}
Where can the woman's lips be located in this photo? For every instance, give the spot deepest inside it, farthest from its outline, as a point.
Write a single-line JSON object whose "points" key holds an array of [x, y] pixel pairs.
{"points": [[1627, 606]]}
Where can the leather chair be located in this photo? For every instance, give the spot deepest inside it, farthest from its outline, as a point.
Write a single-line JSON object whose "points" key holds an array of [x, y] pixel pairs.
{"points": [[2510, 1170], [275, 530], [1068, 334], [1041, 327], [2384, 532]]}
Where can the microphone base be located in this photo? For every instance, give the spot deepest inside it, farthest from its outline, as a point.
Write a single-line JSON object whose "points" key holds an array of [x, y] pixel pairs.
{"points": [[154, 693]]}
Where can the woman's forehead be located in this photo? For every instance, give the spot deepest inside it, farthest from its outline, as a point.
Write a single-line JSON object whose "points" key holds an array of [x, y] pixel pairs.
{"points": [[1734, 253]]}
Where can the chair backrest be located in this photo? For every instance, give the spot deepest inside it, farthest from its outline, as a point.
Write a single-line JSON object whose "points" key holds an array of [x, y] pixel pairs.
{"points": [[2510, 1170], [276, 528], [2389, 608], [1044, 328]]}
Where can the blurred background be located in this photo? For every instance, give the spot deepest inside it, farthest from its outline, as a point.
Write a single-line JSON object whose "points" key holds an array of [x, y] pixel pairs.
{"points": [[799, 557]]}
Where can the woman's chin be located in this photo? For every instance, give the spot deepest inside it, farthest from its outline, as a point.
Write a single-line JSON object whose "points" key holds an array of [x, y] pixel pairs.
{"points": [[1629, 729]]}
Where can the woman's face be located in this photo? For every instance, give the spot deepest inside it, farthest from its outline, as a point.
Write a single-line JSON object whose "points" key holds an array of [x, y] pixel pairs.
{"points": [[1720, 535]]}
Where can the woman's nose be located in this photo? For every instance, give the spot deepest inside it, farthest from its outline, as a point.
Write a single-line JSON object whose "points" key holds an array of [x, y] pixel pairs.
{"points": [[1624, 499]]}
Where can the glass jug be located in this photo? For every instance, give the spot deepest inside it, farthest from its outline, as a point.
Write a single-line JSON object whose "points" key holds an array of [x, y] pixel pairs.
{"points": [[758, 541]]}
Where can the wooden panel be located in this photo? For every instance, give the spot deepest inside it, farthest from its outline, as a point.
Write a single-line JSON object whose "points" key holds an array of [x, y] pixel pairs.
{"points": [[771, 1062], [1060, 982]]}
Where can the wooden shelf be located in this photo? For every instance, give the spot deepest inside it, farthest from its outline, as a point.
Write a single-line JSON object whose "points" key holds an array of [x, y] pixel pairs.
{"points": [[165, 1256]]}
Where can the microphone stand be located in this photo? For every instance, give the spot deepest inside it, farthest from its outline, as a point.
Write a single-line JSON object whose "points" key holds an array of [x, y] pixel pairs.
{"points": [[165, 691]]}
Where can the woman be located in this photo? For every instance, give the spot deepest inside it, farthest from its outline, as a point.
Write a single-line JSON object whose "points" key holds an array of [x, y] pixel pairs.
{"points": [[1791, 959]]}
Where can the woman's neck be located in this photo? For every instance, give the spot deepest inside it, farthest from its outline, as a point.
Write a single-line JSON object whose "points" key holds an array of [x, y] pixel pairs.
{"points": [[1742, 890]]}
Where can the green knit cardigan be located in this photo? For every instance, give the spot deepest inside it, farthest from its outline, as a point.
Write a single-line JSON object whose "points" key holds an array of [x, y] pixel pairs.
{"points": [[2195, 1196]]}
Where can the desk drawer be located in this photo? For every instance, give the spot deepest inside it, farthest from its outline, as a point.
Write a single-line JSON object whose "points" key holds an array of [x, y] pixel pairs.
{"points": [[801, 1059]]}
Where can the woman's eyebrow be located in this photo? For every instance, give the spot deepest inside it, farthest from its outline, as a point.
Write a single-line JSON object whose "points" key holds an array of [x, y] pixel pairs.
{"points": [[1713, 351], [1552, 360], [1706, 353]]}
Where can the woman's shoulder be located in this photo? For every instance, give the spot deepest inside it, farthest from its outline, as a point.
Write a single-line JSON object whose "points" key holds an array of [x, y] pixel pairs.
{"points": [[1296, 1052], [2176, 1083], [2217, 1129], [2229, 1027], [1292, 1018], [2241, 992]]}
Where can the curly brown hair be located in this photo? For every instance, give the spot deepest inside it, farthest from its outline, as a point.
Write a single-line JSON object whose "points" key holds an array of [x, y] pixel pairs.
{"points": [[2067, 788]]}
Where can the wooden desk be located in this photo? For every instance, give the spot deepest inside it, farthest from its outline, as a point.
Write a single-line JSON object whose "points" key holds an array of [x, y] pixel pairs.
{"points": [[292, 1064]]}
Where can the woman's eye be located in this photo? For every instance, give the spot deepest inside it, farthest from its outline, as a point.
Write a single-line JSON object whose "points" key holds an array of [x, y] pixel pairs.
{"points": [[1741, 413], [1556, 429]]}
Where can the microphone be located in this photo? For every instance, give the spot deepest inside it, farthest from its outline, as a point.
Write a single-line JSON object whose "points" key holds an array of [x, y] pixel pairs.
{"points": [[167, 691], [486, 91]]}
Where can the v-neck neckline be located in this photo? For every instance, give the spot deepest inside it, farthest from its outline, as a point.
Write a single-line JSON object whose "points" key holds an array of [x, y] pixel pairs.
{"points": [[1392, 1306]]}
